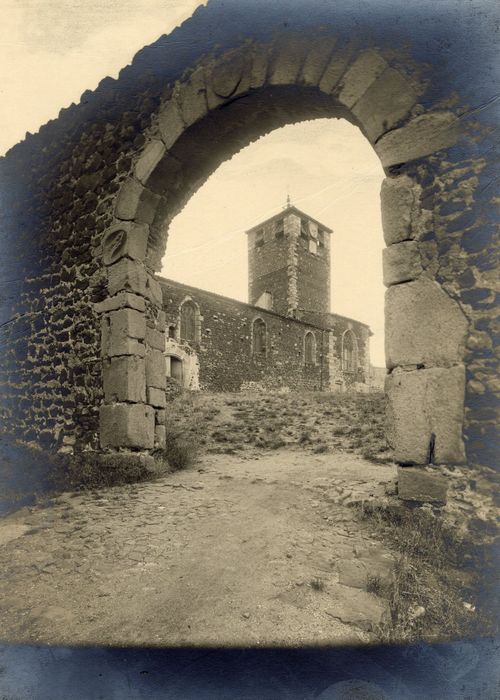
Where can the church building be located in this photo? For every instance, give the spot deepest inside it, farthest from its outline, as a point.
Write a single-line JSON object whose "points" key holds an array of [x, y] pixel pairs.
{"points": [[285, 337]]}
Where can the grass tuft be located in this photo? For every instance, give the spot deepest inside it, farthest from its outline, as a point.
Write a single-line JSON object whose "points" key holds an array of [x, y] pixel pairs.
{"points": [[93, 470], [179, 452], [317, 584], [430, 591]]}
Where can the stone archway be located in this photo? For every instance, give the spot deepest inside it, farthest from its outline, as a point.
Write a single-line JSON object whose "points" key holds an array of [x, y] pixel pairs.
{"points": [[105, 180], [231, 99]]}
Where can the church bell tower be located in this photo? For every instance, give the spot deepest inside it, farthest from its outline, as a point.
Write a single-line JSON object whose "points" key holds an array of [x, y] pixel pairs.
{"points": [[289, 265]]}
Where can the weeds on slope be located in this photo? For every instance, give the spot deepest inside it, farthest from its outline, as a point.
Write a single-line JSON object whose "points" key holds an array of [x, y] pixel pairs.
{"points": [[432, 595], [315, 421]]}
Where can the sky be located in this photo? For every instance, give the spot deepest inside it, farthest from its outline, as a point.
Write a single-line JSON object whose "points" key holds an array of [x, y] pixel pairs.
{"points": [[51, 51]]}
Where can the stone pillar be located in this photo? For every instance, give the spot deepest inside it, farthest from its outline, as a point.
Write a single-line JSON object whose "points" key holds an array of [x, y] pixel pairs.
{"points": [[292, 230], [132, 344], [333, 362], [425, 341]]}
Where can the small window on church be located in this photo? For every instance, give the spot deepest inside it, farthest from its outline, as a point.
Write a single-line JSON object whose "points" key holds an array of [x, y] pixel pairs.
{"points": [[309, 349], [265, 301], [279, 229], [313, 246], [304, 233], [259, 239], [349, 352], [259, 337], [171, 331], [189, 318]]}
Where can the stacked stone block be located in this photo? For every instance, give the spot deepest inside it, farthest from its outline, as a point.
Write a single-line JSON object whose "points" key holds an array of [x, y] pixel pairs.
{"points": [[132, 342]]}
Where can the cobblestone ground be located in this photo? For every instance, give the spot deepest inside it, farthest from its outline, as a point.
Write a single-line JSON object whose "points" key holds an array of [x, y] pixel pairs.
{"points": [[239, 549]]}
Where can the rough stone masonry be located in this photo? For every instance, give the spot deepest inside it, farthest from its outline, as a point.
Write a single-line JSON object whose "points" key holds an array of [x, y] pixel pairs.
{"points": [[285, 338], [87, 201]]}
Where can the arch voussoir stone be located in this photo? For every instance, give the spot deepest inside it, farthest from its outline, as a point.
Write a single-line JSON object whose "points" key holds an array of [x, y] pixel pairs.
{"points": [[151, 156], [191, 97], [420, 137], [316, 60], [260, 65], [337, 66], [364, 71], [385, 102], [287, 60], [128, 199], [228, 77], [170, 123]]}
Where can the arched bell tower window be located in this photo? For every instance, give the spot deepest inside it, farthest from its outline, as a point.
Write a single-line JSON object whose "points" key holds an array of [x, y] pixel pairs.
{"points": [[259, 337], [349, 352], [309, 348], [189, 321]]}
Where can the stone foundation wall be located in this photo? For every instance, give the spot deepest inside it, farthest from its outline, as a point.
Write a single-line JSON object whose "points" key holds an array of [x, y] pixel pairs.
{"points": [[56, 189]]}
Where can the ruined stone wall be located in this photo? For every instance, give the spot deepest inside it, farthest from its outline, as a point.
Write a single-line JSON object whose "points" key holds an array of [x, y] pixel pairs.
{"points": [[56, 188], [121, 164], [439, 268], [226, 360]]}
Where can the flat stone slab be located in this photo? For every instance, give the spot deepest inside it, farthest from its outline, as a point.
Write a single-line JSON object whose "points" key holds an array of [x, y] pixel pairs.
{"points": [[353, 573], [11, 531], [356, 607], [357, 572], [421, 485]]}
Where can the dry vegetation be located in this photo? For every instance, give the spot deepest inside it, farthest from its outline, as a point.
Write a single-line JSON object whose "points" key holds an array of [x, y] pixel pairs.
{"points": [[317, 422], [231, 423], [91, 470], [435, 591]]}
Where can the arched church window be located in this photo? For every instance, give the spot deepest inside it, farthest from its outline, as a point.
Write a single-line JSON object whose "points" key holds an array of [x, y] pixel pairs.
{"points": [[189, 318], [309, 348], [349, 352], [259, 337]]}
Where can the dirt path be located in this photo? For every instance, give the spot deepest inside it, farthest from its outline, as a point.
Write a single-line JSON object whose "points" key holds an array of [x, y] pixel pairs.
{"points": [[235, 551]]}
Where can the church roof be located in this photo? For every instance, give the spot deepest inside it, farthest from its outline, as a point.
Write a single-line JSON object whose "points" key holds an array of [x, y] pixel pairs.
{"points": [[166, 282], [290, 209]]}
